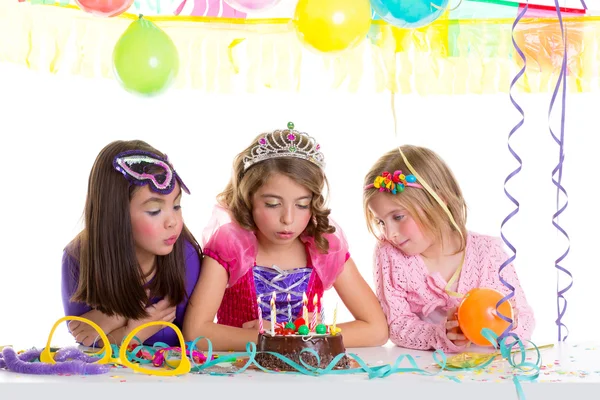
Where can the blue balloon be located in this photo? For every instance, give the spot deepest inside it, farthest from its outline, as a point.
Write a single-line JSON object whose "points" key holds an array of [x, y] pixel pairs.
{"points": [[409, 13]]}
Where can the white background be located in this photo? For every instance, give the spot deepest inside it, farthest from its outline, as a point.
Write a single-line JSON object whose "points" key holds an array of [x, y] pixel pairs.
{"points": [[54, 126]]}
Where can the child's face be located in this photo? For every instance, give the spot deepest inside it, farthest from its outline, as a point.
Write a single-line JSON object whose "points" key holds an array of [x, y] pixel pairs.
{"points": [[156, 221], [397, 225], [281, 209]]}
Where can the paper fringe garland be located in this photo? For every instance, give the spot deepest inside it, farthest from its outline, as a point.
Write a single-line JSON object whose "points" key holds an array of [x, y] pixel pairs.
{"points": [[233, 55]]}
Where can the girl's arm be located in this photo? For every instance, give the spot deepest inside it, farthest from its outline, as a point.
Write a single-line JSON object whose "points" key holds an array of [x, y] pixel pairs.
{"points": [[117, 328], [406, 329], [369, 327], [160, 311], [202, 309], [86, 335]]}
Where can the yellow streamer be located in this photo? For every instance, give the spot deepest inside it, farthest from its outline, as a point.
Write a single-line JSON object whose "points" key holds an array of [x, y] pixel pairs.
{"points": [[47, 356], [183, 366]]}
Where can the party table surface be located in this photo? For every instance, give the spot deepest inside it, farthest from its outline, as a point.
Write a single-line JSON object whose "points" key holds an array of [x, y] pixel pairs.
{"points": [[567, 370]]}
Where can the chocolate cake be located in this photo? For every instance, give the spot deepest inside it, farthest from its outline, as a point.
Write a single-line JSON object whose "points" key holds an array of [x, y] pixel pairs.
{"points": [[325, 345]]}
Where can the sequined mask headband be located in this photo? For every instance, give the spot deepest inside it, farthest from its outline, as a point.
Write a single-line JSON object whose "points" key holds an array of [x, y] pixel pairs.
{"points": [[135, 165], [285, 143], [393, 183]]}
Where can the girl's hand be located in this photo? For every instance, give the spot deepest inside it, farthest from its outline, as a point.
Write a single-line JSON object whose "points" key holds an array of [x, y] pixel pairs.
{"points": [[161, 311], [453, 331], [85, 334]]}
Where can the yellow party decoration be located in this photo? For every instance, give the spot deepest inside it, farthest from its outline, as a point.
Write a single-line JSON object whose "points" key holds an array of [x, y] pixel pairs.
{"points": [[220, 55], [179, 367], [469, 360], [331, 26], [47, 356]]}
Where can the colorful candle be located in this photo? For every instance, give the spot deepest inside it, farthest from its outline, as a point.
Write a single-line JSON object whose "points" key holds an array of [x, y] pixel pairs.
{"points": [[289, 299], [273, 314], [335, 316], [313, 320], [260, 321], [322, 310], [304, 308]]}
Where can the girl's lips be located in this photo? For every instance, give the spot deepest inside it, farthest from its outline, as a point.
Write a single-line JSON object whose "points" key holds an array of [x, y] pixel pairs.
{"points": [[171, 240]]}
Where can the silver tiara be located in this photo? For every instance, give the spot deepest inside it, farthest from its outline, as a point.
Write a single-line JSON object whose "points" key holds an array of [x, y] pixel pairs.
{"points": [[285, 143]]}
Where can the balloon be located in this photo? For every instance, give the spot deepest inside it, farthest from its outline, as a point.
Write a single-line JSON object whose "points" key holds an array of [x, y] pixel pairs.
{"points": [[409, 13], [104, 8], [476, 311], [145, 60], [252, 5], [332, 25]]}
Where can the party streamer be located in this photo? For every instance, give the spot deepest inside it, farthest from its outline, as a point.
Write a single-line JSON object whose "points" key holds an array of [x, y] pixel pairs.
{"points": [[561, 301], [509, 177]]}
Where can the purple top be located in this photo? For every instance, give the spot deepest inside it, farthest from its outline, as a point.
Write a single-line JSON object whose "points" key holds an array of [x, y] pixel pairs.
{"points": [[70, 278], [283, 282]]}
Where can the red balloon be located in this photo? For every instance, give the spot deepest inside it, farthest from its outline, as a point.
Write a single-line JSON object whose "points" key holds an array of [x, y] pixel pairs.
{"points": [[477, 311], [104, 8]]}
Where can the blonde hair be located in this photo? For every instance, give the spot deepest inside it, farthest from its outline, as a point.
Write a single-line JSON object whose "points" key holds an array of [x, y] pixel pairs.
{"points": [[426, 211], [237, 196]]}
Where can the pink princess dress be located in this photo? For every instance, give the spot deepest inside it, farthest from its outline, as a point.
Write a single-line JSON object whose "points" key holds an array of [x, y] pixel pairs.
{"points": [[235, 248]]}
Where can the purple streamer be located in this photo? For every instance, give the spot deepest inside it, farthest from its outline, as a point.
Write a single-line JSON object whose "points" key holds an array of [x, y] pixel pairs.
{"points": [[75, 363], [561, 301], [506, 263], [583, 4]]}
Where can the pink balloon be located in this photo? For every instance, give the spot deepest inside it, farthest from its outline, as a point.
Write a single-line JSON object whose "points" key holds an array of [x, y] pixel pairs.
{"points": [[104, 8], [209, 8], [252, 5]]}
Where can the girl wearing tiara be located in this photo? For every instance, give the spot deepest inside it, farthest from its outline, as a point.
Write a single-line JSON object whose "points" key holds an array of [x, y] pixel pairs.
{"points": [[425, 258], [271, 235], [134, 261]]}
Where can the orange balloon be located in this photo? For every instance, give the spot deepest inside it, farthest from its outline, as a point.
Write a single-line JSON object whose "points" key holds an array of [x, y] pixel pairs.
{"points": [[476, 311]]}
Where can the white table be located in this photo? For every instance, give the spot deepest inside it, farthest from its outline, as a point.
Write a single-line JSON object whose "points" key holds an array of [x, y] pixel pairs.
{"points": [[569, 371]]}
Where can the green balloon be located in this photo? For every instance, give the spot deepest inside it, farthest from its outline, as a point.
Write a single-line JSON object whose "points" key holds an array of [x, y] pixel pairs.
{"points": [[145, 59]]}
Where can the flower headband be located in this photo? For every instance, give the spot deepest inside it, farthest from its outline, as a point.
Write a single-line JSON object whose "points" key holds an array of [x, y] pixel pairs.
{"points": [[395, 183], [134, 165]]}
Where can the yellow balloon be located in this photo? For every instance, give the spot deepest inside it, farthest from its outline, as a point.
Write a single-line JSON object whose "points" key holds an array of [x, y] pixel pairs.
{"points": [[332, 25]]}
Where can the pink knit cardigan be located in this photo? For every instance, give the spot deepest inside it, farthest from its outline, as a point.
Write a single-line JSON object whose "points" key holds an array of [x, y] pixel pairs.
{"points": [[407, 291]]}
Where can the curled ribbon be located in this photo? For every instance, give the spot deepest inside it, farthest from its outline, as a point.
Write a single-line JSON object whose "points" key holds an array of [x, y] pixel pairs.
{"points": [[561, 301], [142, 354], [514, 212]]}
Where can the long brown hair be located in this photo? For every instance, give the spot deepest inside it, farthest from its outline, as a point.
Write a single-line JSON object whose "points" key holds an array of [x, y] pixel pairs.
{"points": [[110, 279], [426, 211], [237, 196]]}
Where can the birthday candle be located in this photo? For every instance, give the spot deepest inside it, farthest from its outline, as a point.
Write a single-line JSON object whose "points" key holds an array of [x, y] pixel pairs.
{"points": [[313, 320], [304, 308], [273, 314], [289, 299], [335, 315], [260, 321], [322, 310]]}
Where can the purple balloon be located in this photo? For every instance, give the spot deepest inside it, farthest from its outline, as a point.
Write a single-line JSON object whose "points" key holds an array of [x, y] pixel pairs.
{"points": [[252, 5]]}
